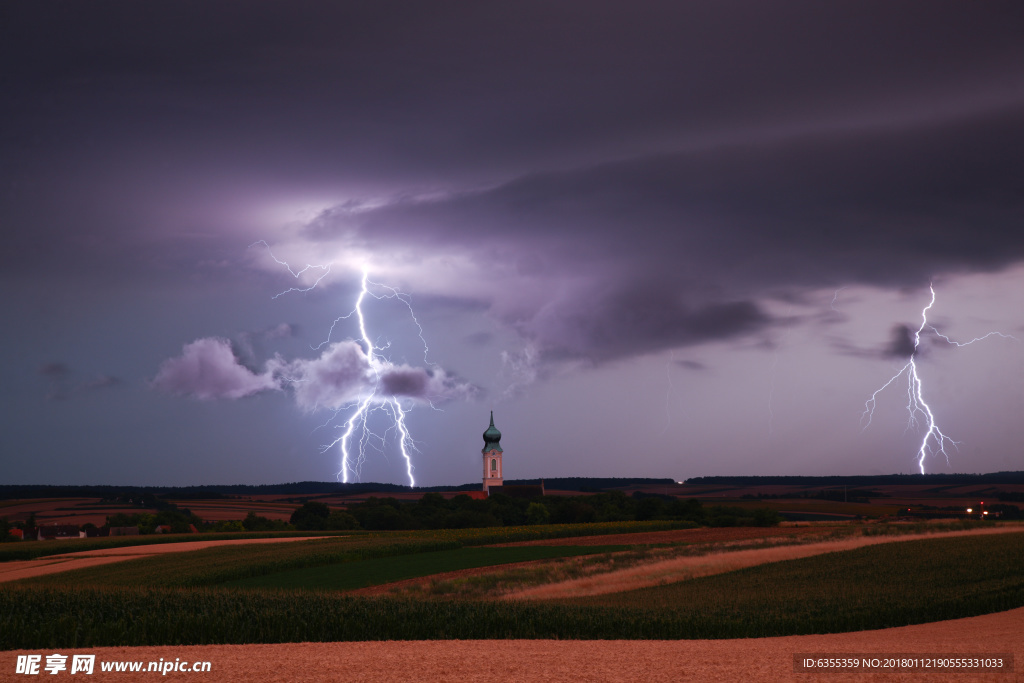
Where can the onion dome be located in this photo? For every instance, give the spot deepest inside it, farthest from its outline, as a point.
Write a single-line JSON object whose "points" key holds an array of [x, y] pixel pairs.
{"points": [[492, 437]]}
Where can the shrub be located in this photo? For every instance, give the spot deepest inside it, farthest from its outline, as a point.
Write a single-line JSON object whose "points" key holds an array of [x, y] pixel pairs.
{"points": [[340, 520], [312, 516], [536, 513]]}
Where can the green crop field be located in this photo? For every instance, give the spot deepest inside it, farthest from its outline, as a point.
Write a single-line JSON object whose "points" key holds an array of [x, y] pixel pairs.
{"points": [[229, 563], [378, 571], [874, 587], [36, 549]]}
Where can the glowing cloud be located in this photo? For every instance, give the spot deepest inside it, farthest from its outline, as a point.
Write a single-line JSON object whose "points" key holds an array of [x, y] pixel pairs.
{"points": [[208, 369]]}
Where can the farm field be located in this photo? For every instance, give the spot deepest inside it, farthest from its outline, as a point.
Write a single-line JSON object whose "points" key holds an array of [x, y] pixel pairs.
{"points": [[653, 661], [37, 549], [386, 570], [220, 564], [699, 535], [184, 597], [680, 569], [81, 511], [52, 564], [917, 580]]}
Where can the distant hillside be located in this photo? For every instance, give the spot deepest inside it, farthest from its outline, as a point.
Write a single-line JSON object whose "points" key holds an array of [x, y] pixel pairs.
{"points": [[869, 480], [590, 483], [300, 488]]}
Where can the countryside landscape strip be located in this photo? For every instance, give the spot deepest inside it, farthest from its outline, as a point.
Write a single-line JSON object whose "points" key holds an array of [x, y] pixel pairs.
{"points": [[876, 587], [219, 565]]}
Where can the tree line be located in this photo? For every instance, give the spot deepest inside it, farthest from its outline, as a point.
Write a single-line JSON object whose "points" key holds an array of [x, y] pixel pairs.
{"points": [[434, 511]]}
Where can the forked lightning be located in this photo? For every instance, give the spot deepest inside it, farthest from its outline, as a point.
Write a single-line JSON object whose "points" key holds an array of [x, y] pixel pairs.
{"points": [[934, 440]]}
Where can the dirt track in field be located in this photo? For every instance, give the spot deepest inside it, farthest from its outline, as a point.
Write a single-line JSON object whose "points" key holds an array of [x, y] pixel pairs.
{"points": [[700, 535], [52, 564], [683, 568], [753, 659]]}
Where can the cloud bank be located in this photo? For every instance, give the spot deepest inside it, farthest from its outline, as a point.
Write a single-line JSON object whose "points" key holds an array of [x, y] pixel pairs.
{"points": [[209, 369]]}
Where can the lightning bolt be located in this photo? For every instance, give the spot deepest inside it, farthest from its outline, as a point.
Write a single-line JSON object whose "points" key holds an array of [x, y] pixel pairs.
{"points": [[389, 405], [835, 297], [296, 274], [934, 440], [357, 436]]}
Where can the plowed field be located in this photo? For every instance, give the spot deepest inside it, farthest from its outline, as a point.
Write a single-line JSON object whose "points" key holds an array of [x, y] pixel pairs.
{"points": [[652, 661]]}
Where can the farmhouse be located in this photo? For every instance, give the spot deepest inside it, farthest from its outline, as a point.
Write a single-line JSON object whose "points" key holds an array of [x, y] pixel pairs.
{"points": [[54, 531]]}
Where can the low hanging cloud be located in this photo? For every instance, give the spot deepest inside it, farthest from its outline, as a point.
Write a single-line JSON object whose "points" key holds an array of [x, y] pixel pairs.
{"points": [[343, 374], [428, 384], [208, 369], [339, 376]]}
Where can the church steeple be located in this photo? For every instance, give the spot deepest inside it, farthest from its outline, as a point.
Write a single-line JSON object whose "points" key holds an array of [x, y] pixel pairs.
{"points": [[492, 437], [492, 457]]}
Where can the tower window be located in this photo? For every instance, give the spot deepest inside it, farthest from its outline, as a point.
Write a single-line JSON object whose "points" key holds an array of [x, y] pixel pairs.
{"points": [[494, 465]]}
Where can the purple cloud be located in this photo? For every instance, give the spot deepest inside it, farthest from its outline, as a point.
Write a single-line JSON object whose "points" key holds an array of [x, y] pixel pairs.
{"points": [[208, 369], [339, 376], [427, 384], [343, 374]]}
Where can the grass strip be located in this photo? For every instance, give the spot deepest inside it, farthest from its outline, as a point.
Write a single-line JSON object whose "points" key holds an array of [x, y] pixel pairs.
{"points": [[31, 550], [377, 571]]}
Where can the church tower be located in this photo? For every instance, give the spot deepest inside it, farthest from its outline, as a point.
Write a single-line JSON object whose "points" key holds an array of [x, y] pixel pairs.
{"points": [[492, 457]]}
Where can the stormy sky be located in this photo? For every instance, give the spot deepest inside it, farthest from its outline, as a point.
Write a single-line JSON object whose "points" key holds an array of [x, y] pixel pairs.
{"points": [[667, 239]]}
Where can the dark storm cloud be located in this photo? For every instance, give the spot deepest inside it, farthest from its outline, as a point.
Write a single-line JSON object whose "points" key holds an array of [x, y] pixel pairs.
{"points": [[683, 160], [883, 206], [902, 344], [136, 110], [632, 319], [682, 243], [405, 382]]}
